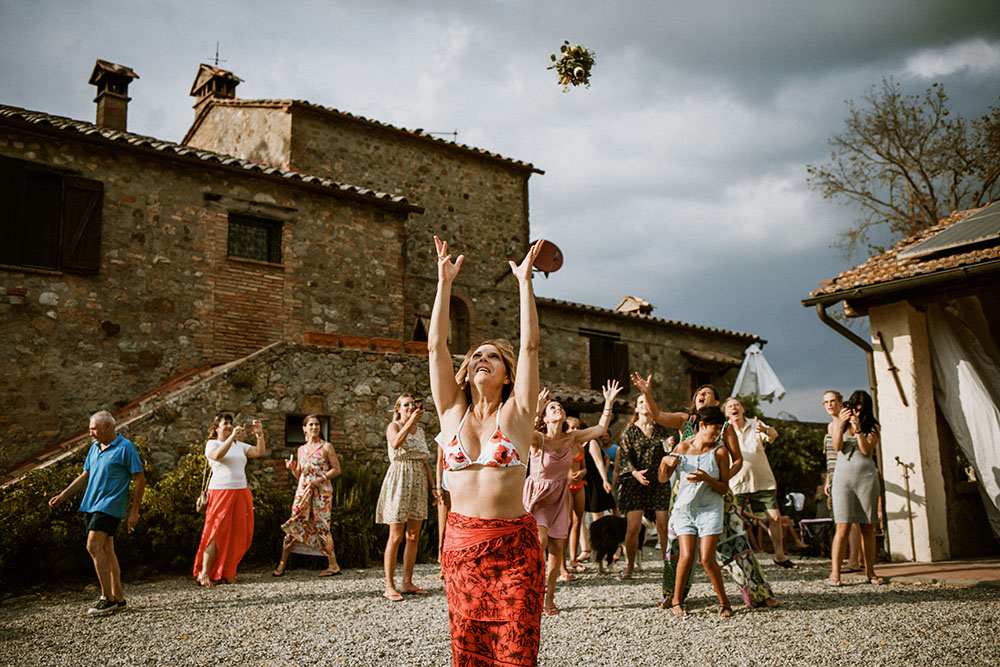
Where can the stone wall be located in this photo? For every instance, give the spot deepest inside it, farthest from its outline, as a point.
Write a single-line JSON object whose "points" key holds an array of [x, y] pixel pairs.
{"points": [[355, 389], [653, 348], [167, 291]]}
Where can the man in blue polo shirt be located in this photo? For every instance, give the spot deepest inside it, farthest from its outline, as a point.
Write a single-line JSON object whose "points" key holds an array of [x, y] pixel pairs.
{"points": [[111, 464]]}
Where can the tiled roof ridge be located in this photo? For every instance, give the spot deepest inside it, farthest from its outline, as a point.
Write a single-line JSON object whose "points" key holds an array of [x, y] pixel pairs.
{"points": [[117, 136], [413, 133], [646, 318], [840, 281]]}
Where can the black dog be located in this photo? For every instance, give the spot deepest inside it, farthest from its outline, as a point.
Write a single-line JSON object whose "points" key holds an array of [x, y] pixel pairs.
{"points": [[606, 535]]}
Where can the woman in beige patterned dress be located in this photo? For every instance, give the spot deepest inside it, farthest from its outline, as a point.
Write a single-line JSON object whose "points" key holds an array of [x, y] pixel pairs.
{"points": [[402, 503]]}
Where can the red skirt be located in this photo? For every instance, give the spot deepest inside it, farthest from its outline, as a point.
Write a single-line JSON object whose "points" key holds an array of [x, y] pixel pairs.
{"points": [[494, 577], [228, 521]]}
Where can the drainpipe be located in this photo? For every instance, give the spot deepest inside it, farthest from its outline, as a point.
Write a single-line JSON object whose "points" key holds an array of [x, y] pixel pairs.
{"points": [[873, 390], [825, 318]]}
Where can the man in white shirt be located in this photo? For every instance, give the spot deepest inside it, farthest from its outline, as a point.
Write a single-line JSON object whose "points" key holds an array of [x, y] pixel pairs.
{"points": [[754, 484]]}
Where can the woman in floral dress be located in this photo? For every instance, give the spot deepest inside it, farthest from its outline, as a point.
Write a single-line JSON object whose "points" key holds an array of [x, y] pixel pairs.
{"points": [[309, 524]]}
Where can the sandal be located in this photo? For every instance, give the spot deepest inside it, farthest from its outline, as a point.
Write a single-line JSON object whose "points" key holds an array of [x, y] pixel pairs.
{"points": [[725, 610], [576, 567], [204, 581], [393, 596], [677, 609], [834, 583], [584, 556], [878, 581], [416, 590], [622, 576], [569, 576], [280, 570], [787, 564], [439, 575], [328, 572], [551, 610]]}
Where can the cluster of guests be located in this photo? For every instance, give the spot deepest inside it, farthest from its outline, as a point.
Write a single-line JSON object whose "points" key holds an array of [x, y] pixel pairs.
{"points": [[498, 520]]}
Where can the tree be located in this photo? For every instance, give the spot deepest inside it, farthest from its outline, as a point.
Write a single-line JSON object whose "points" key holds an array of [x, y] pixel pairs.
{"points": [[908, 162]]}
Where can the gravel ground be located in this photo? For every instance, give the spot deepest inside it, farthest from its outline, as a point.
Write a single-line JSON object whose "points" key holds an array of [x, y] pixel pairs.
{"points": [[302, 620]]}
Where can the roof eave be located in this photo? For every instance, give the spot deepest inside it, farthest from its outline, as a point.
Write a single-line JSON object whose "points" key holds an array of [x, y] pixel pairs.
{"points": [[927, 280]]}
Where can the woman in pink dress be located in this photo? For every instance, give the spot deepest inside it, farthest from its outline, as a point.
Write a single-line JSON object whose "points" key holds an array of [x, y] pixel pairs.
{"points": [[310, 521], [546, 491]]}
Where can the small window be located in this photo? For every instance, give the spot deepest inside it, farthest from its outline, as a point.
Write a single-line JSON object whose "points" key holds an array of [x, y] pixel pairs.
{"points": [[254, 238], [293, 429], [608, 359], [699, 378]]}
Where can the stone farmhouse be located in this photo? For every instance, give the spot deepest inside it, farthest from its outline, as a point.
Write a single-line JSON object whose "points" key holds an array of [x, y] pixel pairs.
{"points": [[277, 262]]}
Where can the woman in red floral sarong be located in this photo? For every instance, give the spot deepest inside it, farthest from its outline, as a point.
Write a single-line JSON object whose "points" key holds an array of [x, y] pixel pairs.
{"points": [[492, 559]]}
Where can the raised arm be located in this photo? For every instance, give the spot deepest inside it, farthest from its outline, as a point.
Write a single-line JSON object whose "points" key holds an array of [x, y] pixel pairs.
{"points": [[526, 382], [673, 420], [666, 468], [611, 391], [260, 448], [444, 389], [218, 453], [735, 462], [396, 434]]}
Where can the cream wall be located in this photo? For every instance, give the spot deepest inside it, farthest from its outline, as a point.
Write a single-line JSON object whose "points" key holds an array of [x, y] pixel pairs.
{"points": [[910, 433]]}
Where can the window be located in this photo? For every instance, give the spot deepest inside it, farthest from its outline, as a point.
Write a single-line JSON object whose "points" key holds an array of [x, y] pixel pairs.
{"points": [[49, 220], [293, 429], [608, 358], [458, 326], [254, 238]]}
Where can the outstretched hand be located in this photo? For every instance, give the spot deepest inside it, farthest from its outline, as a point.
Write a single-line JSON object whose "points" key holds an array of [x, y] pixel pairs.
{"points": [[522, 271], [611, 390], [543, 400], [642, 384], [447, 270]]}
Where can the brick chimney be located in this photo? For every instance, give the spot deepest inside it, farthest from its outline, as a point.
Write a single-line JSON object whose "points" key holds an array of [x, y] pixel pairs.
{"points": [[112, 93], [213, 83]]}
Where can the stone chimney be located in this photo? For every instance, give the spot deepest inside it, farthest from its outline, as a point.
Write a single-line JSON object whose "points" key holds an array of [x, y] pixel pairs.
{"points": [[213, 83], [112, 93], [633, 304]]}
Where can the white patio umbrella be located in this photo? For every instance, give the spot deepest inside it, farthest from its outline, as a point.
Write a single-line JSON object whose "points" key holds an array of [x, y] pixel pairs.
{"points": [[757, 377]]}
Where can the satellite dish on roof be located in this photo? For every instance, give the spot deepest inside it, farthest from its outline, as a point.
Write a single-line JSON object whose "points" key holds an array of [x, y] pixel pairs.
{"points": [[549, 258]]}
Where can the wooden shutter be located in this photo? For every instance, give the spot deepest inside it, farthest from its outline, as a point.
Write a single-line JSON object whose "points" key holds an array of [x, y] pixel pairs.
{"points": [[81, 232], [11, 212], [620, 369]]}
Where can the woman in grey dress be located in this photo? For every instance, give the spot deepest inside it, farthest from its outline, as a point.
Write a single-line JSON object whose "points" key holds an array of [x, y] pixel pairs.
{"points": [[855, 483]]}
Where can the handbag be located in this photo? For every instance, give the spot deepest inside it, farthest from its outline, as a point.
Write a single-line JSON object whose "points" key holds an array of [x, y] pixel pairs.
{"points": [[201, 502]]}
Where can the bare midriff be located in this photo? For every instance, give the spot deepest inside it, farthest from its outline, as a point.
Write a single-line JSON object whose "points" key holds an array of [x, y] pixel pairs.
{"points": [[487, 492]]}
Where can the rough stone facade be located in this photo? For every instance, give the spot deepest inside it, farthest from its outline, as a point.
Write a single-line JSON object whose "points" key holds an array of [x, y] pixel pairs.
{"points": [[167, 298], [475, 201], [652, 347], [354, 389], [356, 276]]}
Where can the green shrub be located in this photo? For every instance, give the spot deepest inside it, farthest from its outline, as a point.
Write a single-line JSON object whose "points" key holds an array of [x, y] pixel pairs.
{"points": [[39, 543], [796, 457]]}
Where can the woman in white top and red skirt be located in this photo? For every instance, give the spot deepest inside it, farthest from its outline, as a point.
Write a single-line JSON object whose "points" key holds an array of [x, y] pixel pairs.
{"points": [[228, 527]]}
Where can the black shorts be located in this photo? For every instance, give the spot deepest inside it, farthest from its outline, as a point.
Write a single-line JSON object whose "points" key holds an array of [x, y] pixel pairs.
{"points": [[102, 522]]}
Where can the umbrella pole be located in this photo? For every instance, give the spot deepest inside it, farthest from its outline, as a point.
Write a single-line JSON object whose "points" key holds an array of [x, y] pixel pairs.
{"points": [[909, 511]]}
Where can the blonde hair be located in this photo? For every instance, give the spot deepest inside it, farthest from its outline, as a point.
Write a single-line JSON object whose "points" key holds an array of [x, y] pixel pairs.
{"points": [[509, 362], [395, 409]]}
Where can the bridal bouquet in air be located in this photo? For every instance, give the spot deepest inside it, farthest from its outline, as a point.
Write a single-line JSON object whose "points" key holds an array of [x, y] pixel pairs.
{"points": [[574, 66]]}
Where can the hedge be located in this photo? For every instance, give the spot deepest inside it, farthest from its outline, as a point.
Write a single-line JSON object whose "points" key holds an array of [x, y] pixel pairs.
{"points": [[40, 544]]}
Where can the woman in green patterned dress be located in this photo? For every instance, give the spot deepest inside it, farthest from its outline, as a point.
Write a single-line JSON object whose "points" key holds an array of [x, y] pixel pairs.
{"points": [[734, 551]]}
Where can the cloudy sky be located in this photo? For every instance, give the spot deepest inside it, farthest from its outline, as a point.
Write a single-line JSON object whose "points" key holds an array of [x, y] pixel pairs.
{"points": [[679, 176]]}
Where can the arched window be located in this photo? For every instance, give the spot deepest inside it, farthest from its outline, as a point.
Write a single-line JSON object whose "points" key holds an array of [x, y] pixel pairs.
{"points": [[458, 327]]}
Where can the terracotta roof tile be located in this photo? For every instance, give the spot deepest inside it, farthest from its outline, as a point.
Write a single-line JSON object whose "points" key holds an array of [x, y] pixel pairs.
{"points": [[889, 266], [114, 136]]}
